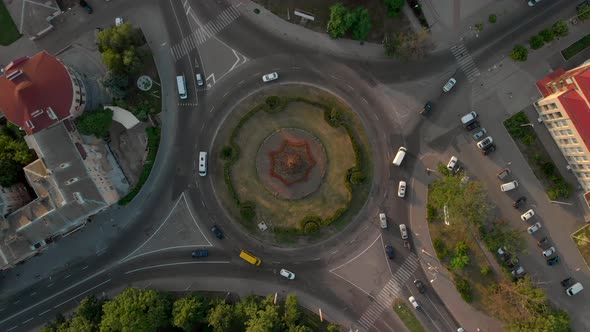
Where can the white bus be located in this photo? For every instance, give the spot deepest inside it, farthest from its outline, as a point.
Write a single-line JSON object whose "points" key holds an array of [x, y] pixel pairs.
{"points": [[180, 82]]}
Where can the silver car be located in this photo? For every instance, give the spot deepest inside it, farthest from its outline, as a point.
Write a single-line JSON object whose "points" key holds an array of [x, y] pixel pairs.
{"points": [[270, 77], [479, 134]]}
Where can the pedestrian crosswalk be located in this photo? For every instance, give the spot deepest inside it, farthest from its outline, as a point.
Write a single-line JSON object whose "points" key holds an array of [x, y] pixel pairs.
{"points": [[202, 34], [389, 292], [465, 62]]}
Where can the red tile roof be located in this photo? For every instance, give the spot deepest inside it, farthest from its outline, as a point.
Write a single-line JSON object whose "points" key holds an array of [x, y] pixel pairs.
{"points": [[583, 80], [579, 112], [542, 84], [36, 92]]}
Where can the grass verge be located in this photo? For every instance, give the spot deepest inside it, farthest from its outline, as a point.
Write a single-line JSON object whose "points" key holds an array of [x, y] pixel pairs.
{"points": [[153, 135], [8, 31], [530, 146], [577, 47], [407, 316], [582, 239]]}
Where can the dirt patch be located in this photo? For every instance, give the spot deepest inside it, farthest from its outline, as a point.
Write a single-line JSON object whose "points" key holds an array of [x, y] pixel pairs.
{"points": [[582, 239], [129, 148], [382, 24]]}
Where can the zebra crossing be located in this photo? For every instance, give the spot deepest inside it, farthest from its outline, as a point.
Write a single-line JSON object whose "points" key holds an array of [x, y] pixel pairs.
{"points": [[389, 292], [202, 34], [465, 62]]}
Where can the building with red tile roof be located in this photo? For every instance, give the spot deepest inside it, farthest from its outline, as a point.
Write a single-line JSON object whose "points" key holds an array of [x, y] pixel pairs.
{"points": [[40, 91], [565, 111]]}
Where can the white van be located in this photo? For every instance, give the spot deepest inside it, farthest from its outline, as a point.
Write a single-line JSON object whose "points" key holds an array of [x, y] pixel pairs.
{"points": [[202, 163], [383, 220], [399, 157], [403, 231], [468, 118], [509, 186], [574, 289], [199, 79], [181, 84]]}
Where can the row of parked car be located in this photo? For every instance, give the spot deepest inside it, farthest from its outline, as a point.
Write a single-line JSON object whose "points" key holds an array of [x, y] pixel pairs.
{"points": [[547, 250], [471, 123]]}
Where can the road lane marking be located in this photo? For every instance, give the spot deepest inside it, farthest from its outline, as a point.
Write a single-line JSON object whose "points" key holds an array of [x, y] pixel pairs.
{"points": [[50, 285], [66, 277], [173, 264], [357, 256], [44, 312], [33, 293], [16, 302], [195, 220], [85, 267], [366, 102], [28, 320], [84, 292], [12, 328], [52, 296]]}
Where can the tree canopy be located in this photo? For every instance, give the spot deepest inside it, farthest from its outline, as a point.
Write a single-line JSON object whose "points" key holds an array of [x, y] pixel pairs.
{"points": [[342, 20], [14, 154], [190, 312], [136, 310], [119, 46], [96, 122]]}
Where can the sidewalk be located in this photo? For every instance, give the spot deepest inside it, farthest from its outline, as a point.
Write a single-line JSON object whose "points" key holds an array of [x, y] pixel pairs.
{"points": [[468, 317]]}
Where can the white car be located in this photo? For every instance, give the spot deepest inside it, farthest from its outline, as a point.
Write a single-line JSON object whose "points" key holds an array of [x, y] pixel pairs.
{"points": [[404, 231], [401, 189], [452, 163], [485, 142], [383, 220], [287, 274], [535, 227], [549, 252], [449, 85], [270, 77], [527, 215], [414, 302]]}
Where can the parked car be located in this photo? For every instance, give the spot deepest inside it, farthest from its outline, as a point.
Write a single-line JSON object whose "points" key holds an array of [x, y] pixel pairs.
{"points": [[86, 6], [449, 85], [553, 260], [485, 142], [543, 243], [518, 273], [508, 186], [549, 252], [287, 274], [427, 108], [270, 77], [383, 220], [401, 189], [200, 253], [574, 289], [420, 285], [503, 174], [414, 302], [535, 227], [468, 118], [389, 251], [473, 125], [527, 215], [403, 231], [567, 282], [478, 135], [518, 202], [218, 233], [488, 149], [452, 163], [119, 21]]}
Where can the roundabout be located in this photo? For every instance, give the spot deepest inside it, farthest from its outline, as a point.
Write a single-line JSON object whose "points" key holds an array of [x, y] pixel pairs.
{"points": [[294, 158]]}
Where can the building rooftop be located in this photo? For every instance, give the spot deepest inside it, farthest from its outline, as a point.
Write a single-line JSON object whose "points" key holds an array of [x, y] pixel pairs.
{"points": [[36, 92]]}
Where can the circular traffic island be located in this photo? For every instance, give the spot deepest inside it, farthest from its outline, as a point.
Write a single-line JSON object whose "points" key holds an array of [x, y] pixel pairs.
{"points": [[295, 164]]}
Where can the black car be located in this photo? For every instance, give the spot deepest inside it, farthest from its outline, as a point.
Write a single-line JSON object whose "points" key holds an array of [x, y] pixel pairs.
{"points": [[389, 251], [86, 6], [427, 108], [518, 202], [553, 260], [544, 243], [218, 233], [473, 125], [420, 285], [567, 282], [488, 149]]}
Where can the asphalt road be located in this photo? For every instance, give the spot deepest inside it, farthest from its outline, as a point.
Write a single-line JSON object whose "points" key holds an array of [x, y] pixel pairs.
{"points": [[192, 126]]}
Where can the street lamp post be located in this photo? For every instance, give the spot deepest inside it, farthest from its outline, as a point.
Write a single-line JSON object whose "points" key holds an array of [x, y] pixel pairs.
{"points": [[527, 124]]}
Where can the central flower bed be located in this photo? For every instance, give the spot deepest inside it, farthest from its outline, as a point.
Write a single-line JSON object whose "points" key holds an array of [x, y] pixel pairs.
{"points": [[292, 163]]}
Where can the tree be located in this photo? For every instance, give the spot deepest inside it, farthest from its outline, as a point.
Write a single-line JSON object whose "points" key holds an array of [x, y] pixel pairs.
{"points": [[394, 7], [292, 313], [9, 172], [362, 24], [96, 123], [338, 24], [560, 28], [502, 235], [119, 48], [90, 308], [536, 42], [117, 84], [583, 11], [547, 35], [189, 312], [136, 310], [221, 317], [265, 320], [333, 328], [300, 328], [519, 53], [558, 321], [512, 301], [80, 324]]}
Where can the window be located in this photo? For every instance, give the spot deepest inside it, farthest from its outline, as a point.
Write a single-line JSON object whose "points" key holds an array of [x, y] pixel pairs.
{"points": [[549, 125], [585, 158], [558, 114], [574, 140]]}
